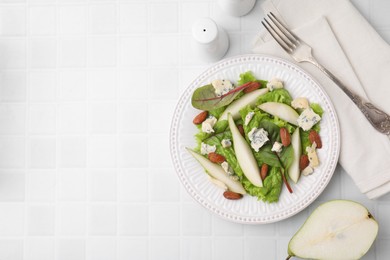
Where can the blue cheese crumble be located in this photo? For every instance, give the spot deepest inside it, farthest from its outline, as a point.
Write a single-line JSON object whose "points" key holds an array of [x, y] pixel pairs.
{"points": [[208, 124], [274, 83], [226, 143], [206, 149], [258, 138], [277, 147], [249, 117], [307, 119], [222, 86]]}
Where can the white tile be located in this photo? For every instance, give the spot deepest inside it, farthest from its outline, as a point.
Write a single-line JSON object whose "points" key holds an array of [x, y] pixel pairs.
{"points": [[250, 22], [11, 249], [159, 151], [12, 152], [102, 220], [190, 57], [102, 84], [42, 53], [234, 46], [132, 117], [133, 84], [73, 152], [164, 220], [101, 52], [164, 17], [133, 220], [164, 248], [333, 189], [195, 220], [72, 118], [102, 18], [41, 186], [133, 18], [12, 86], [259, 230], [101, 248], [42, 86], [224, 250], [39, 249], [383, 249], [191, 12], [12, 186], [289, 226], [160, 114], [223, 227], [164, 84], [102, 151], [12, 118], [42, 119], [72, 85], [281, 247], [132, 248], [255, 247], [70, 249], [187, 76], [160, 179], [194, 248], [42, 152], [72, 185], [130, 190], [11, 220], [133, 151], [40, 220], [72, 19], [133, 51], [12, 53], [72, 52], [13, 20], [72, 219], [102, 185], [382, 216], [164, 50], [42, 20]]}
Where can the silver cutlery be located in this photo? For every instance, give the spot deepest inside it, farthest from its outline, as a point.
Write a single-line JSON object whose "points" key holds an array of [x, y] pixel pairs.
{"points": [[301, 52]]}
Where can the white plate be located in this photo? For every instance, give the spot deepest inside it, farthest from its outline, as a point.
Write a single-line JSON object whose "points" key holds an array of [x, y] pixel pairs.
{"points": [[249, 210]]}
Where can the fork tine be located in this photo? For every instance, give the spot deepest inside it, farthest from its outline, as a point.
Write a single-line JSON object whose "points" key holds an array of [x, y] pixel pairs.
{"points": [[281, 34], [279, 37], [276, 37], [289, 34]]}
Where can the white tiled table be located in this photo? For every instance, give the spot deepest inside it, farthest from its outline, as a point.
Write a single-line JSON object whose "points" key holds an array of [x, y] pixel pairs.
{"points": [[87, 88]]}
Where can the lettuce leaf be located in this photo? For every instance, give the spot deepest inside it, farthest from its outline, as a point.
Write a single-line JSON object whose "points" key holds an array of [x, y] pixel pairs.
{"points": [[278, 95], [272, 185], [219, 127], [318, 110], [217, 112]]}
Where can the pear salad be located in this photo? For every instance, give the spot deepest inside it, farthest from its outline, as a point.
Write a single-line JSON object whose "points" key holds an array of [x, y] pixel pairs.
{"points": [[253, 136]]}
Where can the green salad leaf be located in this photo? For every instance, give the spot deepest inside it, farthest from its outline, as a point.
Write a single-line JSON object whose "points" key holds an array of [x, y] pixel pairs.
{"points": [[278, 95], [249, 77], [204, 98]]}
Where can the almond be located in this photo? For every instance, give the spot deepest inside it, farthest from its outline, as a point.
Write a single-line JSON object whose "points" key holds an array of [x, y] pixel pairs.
{"points": [[285, 136], [303, 162], [230, 195], [264, 171], [216, 158], [315, 138], [200, 118], [252, 86], [241, 129]]}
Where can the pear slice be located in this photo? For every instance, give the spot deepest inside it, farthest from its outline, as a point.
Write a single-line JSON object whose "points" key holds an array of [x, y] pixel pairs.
{"points": [[217, 172], [337, 230], [244, 155], [247, 99], [294, 171], [281, 110]]}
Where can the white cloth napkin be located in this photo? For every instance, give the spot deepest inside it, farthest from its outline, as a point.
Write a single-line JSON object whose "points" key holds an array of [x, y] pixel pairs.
{"points": [[345, 43]]}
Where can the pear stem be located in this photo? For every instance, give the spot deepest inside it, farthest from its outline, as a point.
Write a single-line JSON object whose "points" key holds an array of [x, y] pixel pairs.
{"points": [[288, 257]]}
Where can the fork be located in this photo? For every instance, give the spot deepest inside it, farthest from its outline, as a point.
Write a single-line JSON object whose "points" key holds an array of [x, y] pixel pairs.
{"points": [[301, 52]]}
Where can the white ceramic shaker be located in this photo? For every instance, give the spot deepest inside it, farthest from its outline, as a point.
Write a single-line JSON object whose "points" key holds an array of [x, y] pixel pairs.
{"points": [[210, 41], [237, 7]]}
